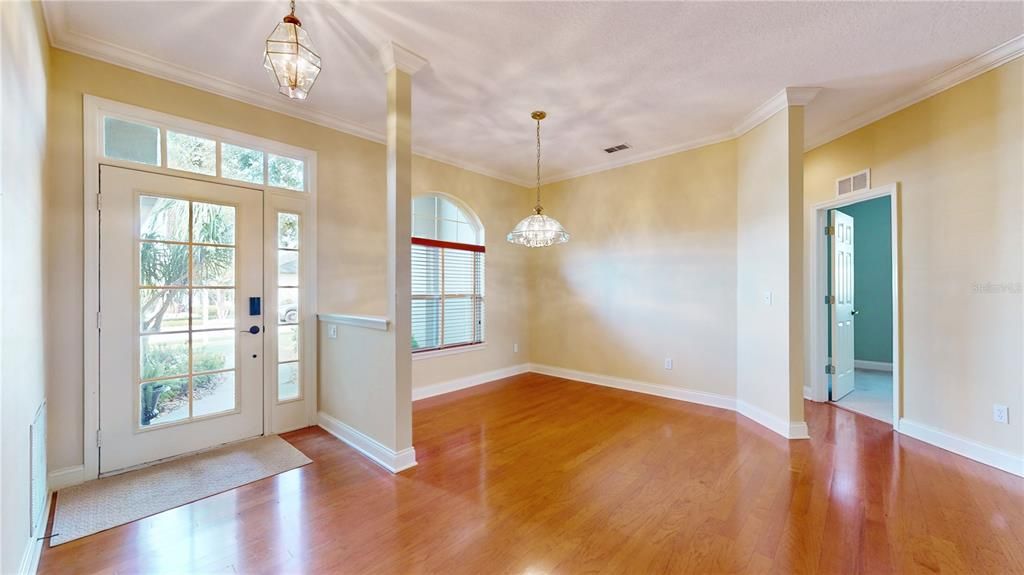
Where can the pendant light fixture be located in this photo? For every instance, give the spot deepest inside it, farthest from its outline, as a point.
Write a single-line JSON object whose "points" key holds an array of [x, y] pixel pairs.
{"points": [[538, 230], [290, 58]]}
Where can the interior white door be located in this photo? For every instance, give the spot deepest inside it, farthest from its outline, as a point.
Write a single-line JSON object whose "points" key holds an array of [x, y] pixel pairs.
{"points": [[180, 370], [842, 302]]}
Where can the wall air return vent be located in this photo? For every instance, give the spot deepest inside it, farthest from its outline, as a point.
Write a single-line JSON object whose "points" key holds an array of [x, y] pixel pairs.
{"points": [[853, 183], [618, 148]]}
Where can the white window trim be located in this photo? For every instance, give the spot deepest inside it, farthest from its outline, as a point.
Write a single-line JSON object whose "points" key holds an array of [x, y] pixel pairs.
{"points": [[94, 110], [444, 351]]}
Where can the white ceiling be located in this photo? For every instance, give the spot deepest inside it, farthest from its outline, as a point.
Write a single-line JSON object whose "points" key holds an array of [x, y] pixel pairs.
{"points": [[660, 76]]}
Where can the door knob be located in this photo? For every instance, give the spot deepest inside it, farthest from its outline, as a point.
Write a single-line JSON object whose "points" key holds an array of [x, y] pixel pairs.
{"points": [[854, 312], [253, 330]]}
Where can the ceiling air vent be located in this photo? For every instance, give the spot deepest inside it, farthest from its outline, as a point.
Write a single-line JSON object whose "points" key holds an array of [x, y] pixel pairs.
{"points": [[853, 183], [618, 148]]}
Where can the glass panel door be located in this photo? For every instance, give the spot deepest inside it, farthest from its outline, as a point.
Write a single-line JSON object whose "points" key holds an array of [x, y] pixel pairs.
{"points": [[181, 349]]}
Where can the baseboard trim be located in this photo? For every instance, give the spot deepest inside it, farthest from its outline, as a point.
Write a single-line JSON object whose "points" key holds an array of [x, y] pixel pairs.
{"points": [[970, 449], [66, 477], [872, 365], [787, 429], [34, 547], [467, 382], [393, 461], [677, 393]]}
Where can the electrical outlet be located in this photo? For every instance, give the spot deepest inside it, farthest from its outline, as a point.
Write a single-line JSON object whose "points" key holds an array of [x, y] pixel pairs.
{"points": [[515, 348], [767, 298], [332, 331], [668, 363], [1000, 413]]}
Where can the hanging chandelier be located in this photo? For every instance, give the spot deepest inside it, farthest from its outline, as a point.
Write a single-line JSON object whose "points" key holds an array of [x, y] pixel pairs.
{"points": [[538, 230], [290, 58]]}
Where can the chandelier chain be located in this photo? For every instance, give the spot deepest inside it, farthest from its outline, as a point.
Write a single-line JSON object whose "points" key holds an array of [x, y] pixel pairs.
{"points": [[538, 208], [293, 7]]}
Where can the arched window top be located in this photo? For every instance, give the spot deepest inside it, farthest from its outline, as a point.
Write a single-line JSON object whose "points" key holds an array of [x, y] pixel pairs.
{"points": [[437, 216]]}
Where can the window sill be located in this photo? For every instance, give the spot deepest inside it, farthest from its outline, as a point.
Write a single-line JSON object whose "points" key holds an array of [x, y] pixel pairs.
{"points": [[448, 351]]}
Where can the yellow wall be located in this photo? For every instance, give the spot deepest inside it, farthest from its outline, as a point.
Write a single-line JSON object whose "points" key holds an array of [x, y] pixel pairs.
{"points": [[958, 158], [769, 363], [351, 234], [649, 274], [24, 67]]}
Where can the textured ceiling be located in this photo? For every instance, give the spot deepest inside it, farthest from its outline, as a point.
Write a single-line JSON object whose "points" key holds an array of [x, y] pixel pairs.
{"points": [[656, 75]]}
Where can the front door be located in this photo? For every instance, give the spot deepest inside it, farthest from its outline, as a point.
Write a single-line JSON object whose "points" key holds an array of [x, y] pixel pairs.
{"points": [[843, 312], [181, 328]]}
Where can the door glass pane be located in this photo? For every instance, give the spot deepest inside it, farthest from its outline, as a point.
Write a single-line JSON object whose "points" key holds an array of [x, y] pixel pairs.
{"points": [[287, 268], [163, 355], [213, 224], [288, 305], [286, 172], [191, 153], [163, 401], [163, 264], [163, 219], [213, 308], [213, 350], [240, 163], [187, 341], [288, 343], [288, 380], [130, 141], [163, 310], [288, 231], [213, 266], [213, 393]]}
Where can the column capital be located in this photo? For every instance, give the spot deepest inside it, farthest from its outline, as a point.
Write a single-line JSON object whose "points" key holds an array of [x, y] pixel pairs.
{"points": [[393, 55]]}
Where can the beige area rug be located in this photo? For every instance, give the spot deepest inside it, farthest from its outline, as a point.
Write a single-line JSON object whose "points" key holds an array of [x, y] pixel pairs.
{"points": [[111, 501]]}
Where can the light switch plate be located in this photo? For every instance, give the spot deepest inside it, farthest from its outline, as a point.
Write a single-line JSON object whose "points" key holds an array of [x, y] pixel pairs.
{"points": [[668, 363], [332, 331], [767, 298]]}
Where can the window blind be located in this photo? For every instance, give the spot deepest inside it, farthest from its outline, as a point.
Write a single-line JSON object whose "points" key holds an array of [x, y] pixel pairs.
{"points": [[447, 294]]}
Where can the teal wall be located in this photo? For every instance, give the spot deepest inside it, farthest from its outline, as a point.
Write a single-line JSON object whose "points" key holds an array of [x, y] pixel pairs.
{"points": [[872, 280]]}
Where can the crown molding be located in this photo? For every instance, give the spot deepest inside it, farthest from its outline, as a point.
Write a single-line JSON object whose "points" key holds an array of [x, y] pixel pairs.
{"points": [[792, 96], [394, 55], [638, 158], [1001, 54]]}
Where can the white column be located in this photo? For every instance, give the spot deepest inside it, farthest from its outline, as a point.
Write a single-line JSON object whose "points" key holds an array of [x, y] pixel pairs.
{"points": [[400, 65]]}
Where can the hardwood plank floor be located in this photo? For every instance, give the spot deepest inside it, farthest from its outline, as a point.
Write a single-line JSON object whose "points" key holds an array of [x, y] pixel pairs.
{"points": [[534, 474]]}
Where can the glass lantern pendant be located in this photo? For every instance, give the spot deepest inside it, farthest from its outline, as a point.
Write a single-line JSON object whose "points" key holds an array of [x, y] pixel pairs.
{"points": [[291, 59], [538, 230]]}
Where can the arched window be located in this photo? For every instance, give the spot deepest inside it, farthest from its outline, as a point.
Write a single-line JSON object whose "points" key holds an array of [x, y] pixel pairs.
{"points": [[447, 274]]}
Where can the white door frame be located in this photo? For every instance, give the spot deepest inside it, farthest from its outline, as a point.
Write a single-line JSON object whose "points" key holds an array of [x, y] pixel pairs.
{"points": [[94, 109], [819, 355]]}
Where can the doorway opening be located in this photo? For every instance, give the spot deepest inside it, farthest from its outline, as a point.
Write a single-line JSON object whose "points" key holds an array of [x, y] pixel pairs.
{"points": [[856, 330]]}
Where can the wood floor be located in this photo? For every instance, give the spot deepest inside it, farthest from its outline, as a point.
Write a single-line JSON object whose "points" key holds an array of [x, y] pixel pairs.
{"points": [[535, 474]]}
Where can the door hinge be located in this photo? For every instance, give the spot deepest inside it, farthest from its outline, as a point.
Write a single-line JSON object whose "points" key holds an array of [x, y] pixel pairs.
{"points": [[99, 202], [99, 321], [830, 230], [99, 438], [830, 369], [830, 299]]}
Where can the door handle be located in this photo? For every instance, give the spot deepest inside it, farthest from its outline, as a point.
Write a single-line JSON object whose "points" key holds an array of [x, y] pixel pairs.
{"points": [[253, 330], [854, 312]]}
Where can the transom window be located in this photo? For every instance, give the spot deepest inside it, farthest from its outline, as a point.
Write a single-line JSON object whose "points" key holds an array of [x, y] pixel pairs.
{"points": [[447, 275], [133, 141]]}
